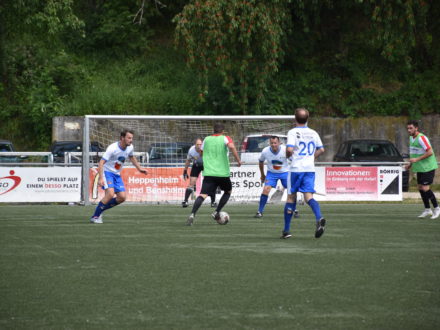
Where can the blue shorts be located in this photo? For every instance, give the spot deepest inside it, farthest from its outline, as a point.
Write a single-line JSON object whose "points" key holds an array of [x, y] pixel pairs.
{"points": [[114, 181], [302, 182], [272, 179]]}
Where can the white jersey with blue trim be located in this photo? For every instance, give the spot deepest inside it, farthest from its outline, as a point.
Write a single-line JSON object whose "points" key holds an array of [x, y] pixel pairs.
{"points": [[276, 162], [115, 157], [304, 141]]}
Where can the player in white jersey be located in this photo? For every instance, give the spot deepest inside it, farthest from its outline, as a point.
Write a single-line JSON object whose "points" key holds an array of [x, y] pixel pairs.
{"points": [[303, 145], [194, 156], [277, 170], [109, 170]]}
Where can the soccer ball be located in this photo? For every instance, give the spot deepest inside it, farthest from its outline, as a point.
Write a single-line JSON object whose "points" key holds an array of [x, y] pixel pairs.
{"points": [[224, 218]]}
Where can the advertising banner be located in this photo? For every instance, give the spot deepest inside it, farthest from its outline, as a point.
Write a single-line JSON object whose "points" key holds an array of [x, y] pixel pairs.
{"points": [[383, 183], [166, 185], [47, 184], [161, 184]]}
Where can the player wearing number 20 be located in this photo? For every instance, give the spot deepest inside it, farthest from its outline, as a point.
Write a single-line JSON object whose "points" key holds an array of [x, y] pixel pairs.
{"points": [[304, 145]]}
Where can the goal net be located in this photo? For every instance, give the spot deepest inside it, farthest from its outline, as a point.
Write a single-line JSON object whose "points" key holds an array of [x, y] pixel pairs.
{"points": [[161, 144]]}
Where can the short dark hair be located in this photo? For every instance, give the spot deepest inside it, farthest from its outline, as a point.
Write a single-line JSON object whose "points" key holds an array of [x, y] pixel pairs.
{"points": [[415, 123], [219, 127], [301, 115], [125, 131], [275, 137]]}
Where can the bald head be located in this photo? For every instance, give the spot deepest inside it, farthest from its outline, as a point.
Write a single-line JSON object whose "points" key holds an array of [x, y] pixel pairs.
{"points": [[301, 115]]}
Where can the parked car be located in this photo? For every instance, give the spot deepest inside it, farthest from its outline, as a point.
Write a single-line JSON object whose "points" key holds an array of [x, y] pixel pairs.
{"points": [[371, 151], [7, 146], [252, 146], [168, 153], [59, 148]]}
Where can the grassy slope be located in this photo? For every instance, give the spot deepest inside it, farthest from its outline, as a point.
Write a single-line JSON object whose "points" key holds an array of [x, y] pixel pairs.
{"points": [[376, 267]]}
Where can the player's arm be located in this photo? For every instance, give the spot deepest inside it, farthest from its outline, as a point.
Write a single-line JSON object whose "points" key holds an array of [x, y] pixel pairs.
{"points": [[428, 153], [136, 164], [319, 152], [101, 172], [262, 175], [232, 148], [291, 143], [185, 170]]}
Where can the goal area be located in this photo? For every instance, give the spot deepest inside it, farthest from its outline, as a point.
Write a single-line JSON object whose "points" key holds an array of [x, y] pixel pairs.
{"points": [[161, 144]]}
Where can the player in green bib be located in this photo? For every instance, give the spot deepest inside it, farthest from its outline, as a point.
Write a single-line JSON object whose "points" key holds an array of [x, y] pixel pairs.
{"points": [[423, 162], [216, 172]]}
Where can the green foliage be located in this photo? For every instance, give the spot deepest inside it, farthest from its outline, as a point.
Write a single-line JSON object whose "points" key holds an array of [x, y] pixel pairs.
{"points": [[350, 59], [241, 40], [158, 84], [114, 28], [399, 27]]}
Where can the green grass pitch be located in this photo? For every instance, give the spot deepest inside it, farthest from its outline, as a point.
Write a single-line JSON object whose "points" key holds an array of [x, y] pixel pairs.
{"points": [[376, 267]]}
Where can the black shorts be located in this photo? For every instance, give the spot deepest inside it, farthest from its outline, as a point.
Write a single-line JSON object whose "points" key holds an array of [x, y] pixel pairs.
{"points": [[210, 184], [195, 171], [425, 178]]}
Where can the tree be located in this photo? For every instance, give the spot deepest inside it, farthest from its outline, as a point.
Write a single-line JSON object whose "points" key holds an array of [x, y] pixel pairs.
{"points": [[240, 39]]}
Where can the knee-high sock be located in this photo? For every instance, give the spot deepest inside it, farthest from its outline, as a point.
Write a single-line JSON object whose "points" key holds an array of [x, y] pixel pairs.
{"points": [[430, 196], [188, 192], [425, 198], [315, 208], [289, 208], [263, 201], [102, 207], [212, 198], [197, 204], [223, 201]]}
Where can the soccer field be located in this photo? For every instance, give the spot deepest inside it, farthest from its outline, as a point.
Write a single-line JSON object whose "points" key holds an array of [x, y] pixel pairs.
{"points": [[376, 267]]}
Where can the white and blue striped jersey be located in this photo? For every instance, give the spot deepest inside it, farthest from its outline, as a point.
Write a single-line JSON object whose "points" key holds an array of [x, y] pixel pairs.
{"points": [[115, 157], [276, 162], [304, 141]]}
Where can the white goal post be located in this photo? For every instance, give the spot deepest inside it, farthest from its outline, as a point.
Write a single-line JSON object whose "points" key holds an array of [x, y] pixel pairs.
{"points": [[160, 137]]}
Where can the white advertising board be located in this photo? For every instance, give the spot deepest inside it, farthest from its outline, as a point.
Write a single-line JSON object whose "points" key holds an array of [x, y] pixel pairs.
{"points": [[47, 184]]}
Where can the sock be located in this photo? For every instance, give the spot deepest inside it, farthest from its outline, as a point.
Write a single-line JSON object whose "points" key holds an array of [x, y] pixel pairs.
{"points": [[99, 209], [288, 213], [110, 204], [199, 201], [430, 196], [188, 192], [425, 199], [102, 207], [212, 198], [223, 201], [315, 208], [263, 201]]}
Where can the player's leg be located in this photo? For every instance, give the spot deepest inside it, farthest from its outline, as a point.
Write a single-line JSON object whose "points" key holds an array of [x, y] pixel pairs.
{"points": [[263, 200], [115, 186], [212, 196], [293, 182], [189, 190], [308, 188], [110, 186], [225, 184], [208, 186], [283, 177], [424, 181], [289, 211], [101, 207], [195, 171]]}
